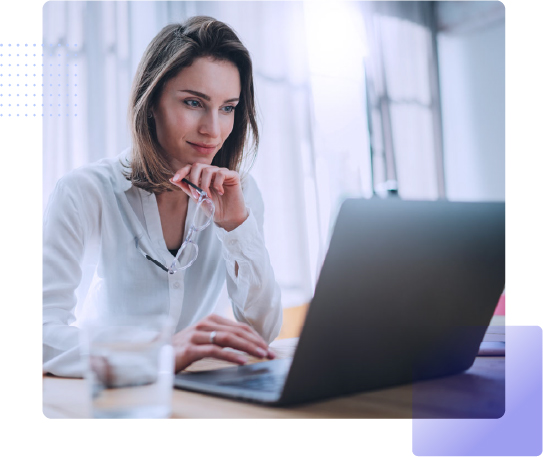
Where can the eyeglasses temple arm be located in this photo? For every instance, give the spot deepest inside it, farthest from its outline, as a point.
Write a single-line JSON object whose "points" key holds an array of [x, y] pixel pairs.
{"points": [[185, 180], [150, 258], [156, 263]]}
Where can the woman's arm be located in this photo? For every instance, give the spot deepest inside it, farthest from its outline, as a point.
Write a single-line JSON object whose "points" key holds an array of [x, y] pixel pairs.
{"points": [[239, 216], [63, 250], [250, 280]]}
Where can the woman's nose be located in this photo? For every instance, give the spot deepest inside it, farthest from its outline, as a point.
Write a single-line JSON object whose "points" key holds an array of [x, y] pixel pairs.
{"points": [[209, 125]]}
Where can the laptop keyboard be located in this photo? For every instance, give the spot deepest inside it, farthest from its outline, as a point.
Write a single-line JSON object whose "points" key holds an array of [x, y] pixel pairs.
{"points": [[267, 383]]}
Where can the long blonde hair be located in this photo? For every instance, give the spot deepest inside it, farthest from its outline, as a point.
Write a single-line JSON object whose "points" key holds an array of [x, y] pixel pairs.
{"points": [[176, 47]]}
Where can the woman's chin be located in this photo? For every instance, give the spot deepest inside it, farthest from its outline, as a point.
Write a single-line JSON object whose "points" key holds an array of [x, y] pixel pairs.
{"points": [[180, 160], [202, 160]]}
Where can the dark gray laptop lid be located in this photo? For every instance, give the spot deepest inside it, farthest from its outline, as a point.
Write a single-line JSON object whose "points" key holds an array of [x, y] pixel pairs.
{"points": [[406, 292]]}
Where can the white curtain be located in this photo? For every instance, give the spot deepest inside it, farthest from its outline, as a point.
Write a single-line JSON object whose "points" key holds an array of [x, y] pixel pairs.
{"points": [[309, 78]]}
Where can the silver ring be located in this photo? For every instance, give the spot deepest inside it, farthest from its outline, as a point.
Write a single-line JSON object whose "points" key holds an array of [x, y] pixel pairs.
{"points": [[212, 336]]}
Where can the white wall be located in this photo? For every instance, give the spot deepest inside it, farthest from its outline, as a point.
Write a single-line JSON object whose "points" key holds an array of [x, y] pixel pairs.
{"points": [[471, 50]]}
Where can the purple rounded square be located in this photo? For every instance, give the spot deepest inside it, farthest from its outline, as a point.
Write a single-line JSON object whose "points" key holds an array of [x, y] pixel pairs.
{"points": [[518, 432]]}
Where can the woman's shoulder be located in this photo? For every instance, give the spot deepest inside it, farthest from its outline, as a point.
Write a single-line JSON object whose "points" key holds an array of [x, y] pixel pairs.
{"points": [[103, 176], [251, 193], [248, 184]]}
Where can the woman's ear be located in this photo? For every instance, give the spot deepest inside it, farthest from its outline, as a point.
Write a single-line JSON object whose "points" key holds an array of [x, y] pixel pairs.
{"points": [[151, 111]]}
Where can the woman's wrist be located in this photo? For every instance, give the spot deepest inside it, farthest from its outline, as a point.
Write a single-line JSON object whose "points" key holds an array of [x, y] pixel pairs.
{"points": [[234, 223]]}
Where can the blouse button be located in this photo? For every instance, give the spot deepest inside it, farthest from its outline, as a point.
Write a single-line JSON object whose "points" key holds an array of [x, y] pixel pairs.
{"points": [[176, 285]]}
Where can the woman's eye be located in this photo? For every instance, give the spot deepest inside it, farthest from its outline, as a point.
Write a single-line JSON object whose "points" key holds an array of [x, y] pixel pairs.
{"points": [[192, 103], [229, 108]]}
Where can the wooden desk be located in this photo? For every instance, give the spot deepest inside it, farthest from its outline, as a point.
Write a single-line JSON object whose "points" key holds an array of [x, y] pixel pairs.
{"points": [[477, 390]]}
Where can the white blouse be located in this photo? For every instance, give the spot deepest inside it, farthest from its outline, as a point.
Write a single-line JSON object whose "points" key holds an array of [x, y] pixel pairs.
{"points": [[92, 221]]}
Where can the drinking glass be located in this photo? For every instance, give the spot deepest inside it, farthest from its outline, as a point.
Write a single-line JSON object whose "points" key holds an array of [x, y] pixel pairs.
{"points": [[129, 365]]}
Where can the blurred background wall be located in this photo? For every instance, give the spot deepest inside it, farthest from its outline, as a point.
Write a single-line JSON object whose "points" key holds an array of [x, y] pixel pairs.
{"points": [[471, 51], [355, 99]]}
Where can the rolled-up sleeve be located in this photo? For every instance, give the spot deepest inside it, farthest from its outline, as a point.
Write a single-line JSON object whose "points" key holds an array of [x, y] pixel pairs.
{"points": [[63, 250], [253, 291]]}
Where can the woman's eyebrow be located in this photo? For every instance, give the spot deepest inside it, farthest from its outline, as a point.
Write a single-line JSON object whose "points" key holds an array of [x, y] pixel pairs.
{"points": [[206, 97]]}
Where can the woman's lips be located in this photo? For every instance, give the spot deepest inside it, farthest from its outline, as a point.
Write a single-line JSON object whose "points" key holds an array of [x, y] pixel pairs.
{"points": [[201, 148]]}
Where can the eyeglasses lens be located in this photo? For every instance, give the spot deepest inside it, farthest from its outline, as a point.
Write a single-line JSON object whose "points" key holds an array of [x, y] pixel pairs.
{"points": [[203, 215], [189, 250], [185, 257]]}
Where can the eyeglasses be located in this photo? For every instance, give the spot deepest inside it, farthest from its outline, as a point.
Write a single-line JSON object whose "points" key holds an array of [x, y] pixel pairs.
{"points": [[188, 252]]}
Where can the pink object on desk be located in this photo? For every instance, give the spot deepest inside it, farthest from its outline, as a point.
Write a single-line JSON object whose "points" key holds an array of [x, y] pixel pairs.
{"points": [[500, 309]]}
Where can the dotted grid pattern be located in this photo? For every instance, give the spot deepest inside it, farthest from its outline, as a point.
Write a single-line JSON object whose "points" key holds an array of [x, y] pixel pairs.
{"points": [[31, 75]]}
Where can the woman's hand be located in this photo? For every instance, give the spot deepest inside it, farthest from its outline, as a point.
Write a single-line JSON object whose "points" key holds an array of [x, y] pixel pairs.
{"points": [[194, 343], [222, 185]]}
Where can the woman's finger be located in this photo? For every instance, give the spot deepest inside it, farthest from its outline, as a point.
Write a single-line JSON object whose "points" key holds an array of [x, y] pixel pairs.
{"points": [[177, 179], [218, 181], [212, 350], [223, 321], [183, 186], [239, 331], [181, 173], [245, 331], [196, 173], [229, 338], [206, 178]]}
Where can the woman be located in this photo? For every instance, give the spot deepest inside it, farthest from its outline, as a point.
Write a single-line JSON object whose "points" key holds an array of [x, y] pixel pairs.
{"points": [[191, 113]]}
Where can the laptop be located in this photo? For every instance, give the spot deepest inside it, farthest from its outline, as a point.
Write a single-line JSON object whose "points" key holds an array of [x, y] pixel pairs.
{"points": [[406, 293]]}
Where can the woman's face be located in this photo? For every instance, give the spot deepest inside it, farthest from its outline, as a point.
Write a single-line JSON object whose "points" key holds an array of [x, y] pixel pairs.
{"points": [[195, 112]]}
